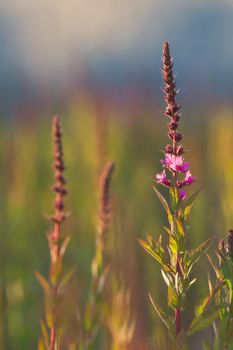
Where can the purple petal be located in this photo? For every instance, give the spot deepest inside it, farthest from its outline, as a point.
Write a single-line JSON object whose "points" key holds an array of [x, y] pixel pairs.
{"points": [[182, 194]]}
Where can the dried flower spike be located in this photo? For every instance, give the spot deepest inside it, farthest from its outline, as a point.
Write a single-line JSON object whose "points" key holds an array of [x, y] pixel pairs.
{"points": [[100, 267], [59, 167], [59, 215], [57, 244], [104, 186], [103, 220]]}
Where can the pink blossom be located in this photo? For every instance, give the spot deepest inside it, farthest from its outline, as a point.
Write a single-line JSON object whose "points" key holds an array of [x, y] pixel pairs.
{"points": [[182, 194], [161, 178], [175, 163], [189, 179]]}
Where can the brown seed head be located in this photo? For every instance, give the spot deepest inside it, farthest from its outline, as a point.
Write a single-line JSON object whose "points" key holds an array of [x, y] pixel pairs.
{"points": [[104, 195], [59, 167]]}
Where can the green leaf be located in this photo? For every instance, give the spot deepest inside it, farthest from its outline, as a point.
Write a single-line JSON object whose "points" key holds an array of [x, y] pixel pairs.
{"points": [[64, 245], [40, 345], [145, 245], [190, 201], [163, 317], [205, 346], [173, 246], [48, 311], [215, 268], [164, 204], [156, 251], [44, 334], [196, 253], [180, 227], [174, 197], [56, 270], [66, 279], [172, 297], [227, 268], [202, 321], [199, 309], [167, 278], [43, 282]]}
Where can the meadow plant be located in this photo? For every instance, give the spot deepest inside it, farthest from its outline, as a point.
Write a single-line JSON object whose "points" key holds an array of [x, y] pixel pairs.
{"points": [[96, 307], [224, 294], [175, 258], [51, 328], [121, 319]]}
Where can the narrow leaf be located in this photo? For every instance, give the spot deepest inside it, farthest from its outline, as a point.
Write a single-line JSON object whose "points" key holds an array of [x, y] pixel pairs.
{"points": [[149, 250], [166, 278], [40, 345], [164, 204], [43, 282], [180, 227], [190, 201], [201, 322], [66, 279], [163, 317], [214, 266], [44, 334], [196, 253]]}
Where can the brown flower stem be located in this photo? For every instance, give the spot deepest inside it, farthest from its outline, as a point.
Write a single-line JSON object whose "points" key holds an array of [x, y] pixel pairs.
{"points": [[54, 237], [178, 320], [52, 338], [99, 264]]}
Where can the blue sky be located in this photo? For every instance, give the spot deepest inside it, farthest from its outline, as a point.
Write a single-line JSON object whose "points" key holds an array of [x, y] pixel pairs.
{"points": [[114, 40]]}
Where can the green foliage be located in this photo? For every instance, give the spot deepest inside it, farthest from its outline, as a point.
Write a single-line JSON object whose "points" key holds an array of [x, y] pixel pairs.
{"points": [[202, 321], [164, 204], [155, 249], [25, 181], [188, 204], [223, 299], [177, 263]]}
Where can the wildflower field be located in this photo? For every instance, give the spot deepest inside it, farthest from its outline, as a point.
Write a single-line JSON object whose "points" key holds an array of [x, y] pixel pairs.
{"points": [[85, 196]]}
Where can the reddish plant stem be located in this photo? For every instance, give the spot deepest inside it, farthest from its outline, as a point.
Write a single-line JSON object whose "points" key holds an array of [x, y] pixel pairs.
{"points": [[172, 112], [58, 217], [178, 320], [52, 338], [178, 270]]}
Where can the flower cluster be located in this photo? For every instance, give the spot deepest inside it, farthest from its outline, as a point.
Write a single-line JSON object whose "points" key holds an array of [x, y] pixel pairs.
{"points": [[173, 154]]}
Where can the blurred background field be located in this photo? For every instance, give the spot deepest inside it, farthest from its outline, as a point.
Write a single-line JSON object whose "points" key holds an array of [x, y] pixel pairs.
{"points": [[97, 64], [93, 130]]}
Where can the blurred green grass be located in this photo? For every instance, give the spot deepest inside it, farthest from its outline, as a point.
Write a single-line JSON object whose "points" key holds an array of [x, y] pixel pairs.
{"points": [[134, 143]]}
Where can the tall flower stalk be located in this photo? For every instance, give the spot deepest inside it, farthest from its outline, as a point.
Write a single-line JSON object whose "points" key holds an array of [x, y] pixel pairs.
{"points": [[175, 259], [51, 329], [100, 265]]}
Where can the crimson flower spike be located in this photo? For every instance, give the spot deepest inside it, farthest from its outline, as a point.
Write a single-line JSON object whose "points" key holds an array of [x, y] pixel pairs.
{"points": [[174, 161], [57, 242], [60, 191], [59, 167]]}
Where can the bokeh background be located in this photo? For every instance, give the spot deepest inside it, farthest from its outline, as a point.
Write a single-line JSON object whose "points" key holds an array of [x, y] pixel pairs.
{"points": [[97, 63]]}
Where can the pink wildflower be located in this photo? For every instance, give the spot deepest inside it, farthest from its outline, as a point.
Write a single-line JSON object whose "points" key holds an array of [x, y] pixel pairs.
{"points": [[182, 194], [161, 178], [189, 179], [175, 163]]}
